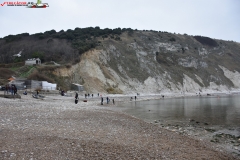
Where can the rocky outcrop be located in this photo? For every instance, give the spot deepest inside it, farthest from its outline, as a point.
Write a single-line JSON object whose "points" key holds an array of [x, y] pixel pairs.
{"points": [[147, 63]]}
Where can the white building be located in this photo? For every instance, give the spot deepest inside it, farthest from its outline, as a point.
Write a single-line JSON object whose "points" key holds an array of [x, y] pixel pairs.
{"points": [[48, 86], [34, 61]]}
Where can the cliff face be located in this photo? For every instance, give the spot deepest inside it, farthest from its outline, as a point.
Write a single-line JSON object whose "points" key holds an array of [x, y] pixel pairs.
{"points": [[147, 62], [153, 62]]}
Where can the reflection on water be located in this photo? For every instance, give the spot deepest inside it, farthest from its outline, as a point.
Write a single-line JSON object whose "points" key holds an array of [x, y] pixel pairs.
{"points": [[212, 110]]}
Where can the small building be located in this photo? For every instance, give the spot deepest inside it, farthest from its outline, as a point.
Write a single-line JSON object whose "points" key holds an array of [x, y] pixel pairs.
{"points": [[77, 87], [48, 86], [33, 61]]}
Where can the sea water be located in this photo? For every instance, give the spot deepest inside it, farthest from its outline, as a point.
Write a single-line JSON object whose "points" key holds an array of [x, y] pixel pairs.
{"points": [[213, 110]]}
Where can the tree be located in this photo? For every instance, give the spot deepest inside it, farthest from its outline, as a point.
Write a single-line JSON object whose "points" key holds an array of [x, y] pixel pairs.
{"points": [[38, 55], [172, 39]]}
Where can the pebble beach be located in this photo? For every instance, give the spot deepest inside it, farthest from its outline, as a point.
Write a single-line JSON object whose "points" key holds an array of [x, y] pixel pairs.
{"points": [[56, 128]]}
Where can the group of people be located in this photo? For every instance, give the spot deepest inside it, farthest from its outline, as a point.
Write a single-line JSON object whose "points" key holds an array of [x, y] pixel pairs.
{"points": [[102, 99], [108, 100], [11, 89], [88, 95], [132, 98]]}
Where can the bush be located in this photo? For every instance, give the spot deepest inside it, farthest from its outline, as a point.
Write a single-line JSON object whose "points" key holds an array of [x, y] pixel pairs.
{"points": [[41, 37], [6, 73], [206, 41], [111, 90], [68, 66]]}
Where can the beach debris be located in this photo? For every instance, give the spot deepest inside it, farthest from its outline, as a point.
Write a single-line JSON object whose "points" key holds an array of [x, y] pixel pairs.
{"points": [[38, 96], [210, 130], [4, 151], [12, 155], [215, 140]]}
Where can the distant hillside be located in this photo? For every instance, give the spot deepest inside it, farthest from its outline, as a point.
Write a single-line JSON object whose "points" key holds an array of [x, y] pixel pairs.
{"points": [[126, 60], [57, 46]]}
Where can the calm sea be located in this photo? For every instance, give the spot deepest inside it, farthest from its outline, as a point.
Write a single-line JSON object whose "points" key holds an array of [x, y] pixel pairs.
{"points": [[224, 110]]}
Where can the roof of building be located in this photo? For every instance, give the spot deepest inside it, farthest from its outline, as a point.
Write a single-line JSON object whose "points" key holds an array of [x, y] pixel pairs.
{"points": [[77, 84], [32, 59]]}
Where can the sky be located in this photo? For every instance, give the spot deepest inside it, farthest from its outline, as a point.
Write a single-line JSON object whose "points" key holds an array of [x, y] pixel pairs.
{"points": [[219, 19]]}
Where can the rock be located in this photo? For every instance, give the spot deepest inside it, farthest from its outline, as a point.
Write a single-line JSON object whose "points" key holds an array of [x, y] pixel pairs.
{"points": [[12, 154]]}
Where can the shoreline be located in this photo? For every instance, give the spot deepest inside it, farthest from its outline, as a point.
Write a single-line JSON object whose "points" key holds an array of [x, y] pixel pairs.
{"points": [[119, 127], [221, 136]]}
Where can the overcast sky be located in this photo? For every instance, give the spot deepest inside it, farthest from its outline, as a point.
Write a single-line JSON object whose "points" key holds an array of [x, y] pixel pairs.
{"points": [[218, 19]]}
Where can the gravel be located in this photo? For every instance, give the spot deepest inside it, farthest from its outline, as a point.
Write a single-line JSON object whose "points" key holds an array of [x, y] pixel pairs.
{"points": [[57, 128]]}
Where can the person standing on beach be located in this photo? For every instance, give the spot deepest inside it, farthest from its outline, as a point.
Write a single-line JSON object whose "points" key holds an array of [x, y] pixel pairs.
{"points": [[101, 100], [135, 98], [92, 95], [15, 90], [76, 98], [107, 100], [113, 101], [76, 95]]}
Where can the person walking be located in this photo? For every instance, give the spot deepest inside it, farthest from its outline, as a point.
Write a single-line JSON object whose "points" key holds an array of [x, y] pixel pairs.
{"points": [[135, 98], [113, 101], [76, 98], [92, 95]]}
